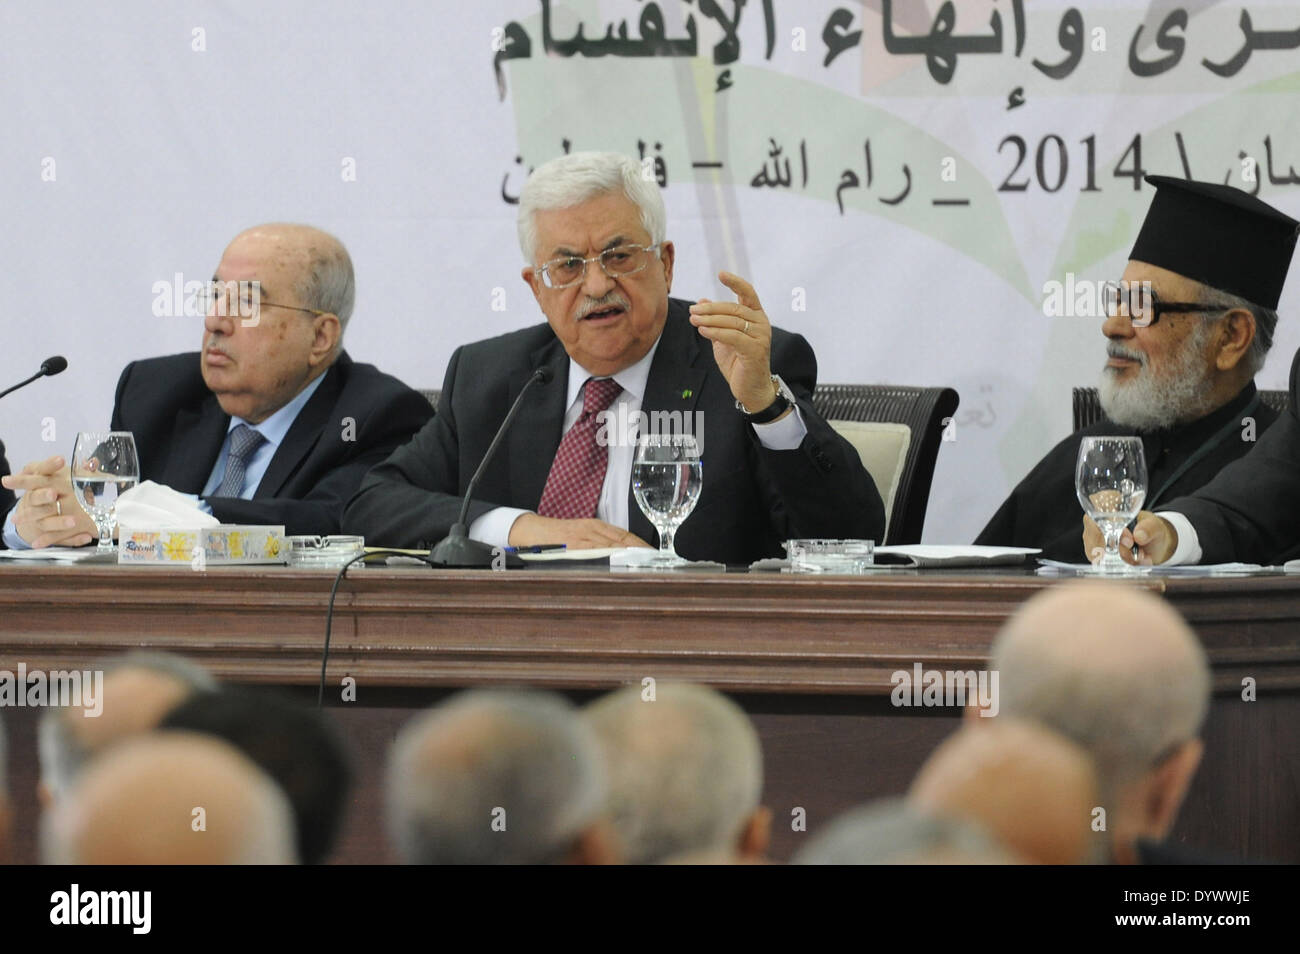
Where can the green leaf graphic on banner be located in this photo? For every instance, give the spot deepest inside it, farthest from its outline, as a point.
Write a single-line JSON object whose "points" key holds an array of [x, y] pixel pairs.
{"points": [[812, 139]]}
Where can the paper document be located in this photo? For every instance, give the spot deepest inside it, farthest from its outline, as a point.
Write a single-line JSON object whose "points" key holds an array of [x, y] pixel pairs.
{"points": [[935, 555]]}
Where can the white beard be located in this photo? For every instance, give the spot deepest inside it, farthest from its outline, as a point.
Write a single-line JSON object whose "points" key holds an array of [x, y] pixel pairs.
{"points": [[1179, 395]]}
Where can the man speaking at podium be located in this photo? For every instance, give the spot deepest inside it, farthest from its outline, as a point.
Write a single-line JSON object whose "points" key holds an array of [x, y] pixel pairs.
{"points": [[616, 347]]}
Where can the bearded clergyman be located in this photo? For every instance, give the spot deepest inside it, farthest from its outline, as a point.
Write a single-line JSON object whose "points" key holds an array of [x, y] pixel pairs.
{"points": [[1187, 329]]}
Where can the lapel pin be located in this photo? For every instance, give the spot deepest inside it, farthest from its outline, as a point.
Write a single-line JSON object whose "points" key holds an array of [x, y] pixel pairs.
{"points": [[687, 392]]}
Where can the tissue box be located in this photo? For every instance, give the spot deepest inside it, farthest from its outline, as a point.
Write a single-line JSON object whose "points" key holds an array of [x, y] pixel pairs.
{"points": [[224, 545]]}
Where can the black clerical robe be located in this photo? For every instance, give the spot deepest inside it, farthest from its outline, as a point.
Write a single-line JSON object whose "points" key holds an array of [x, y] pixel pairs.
{"points": [[1044, 510]]}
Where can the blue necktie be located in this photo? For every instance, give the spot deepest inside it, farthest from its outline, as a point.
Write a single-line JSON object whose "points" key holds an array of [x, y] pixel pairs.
{"points": [[243, 442]]}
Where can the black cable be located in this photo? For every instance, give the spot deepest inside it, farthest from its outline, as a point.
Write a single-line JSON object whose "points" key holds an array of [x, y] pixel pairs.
{"points": [[329, 614]]}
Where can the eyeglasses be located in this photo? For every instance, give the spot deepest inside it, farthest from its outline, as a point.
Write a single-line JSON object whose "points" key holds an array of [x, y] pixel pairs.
{"points": [[213, 296], [617, 262], [1144, 307]]}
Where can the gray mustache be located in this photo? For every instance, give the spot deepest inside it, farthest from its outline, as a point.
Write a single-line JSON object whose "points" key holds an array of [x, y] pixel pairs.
{"points": [[613, 299], [1119, 351]]}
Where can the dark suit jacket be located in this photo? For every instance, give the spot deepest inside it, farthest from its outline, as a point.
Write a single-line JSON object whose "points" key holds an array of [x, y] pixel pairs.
{"points": [[1251, 510], [6, 495], [1044, 511], [752, 498], [179, 428]]}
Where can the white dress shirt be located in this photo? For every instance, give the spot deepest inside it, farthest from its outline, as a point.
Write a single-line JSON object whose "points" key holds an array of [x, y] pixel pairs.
{"points": [[1189, 544], [493, 527]]}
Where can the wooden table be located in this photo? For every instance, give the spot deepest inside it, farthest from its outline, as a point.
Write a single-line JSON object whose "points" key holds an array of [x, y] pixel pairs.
{"points": [[810, 658]]}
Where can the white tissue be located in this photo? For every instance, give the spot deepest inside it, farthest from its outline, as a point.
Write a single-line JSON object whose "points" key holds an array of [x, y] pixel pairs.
{"points": [[150, 506]]}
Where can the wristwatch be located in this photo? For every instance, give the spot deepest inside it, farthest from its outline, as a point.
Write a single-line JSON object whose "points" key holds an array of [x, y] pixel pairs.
{"points": [[783, 402]]}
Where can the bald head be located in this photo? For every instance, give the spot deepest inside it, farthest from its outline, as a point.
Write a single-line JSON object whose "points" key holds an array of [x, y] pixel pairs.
{"points": [[1108, 665], [171, 798], [315, 261], [685, 771], [495, 777], [1027, 786]]}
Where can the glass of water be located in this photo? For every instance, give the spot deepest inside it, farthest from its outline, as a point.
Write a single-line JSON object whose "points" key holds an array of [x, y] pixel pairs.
{"points": [[1111, 481], [104, 465], [666, 478]]}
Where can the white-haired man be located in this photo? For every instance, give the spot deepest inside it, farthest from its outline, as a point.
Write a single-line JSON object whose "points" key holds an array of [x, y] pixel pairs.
{"points": [[1188, 328], [498, 777], [615, 349], [1117, 671], [271, 423], [685, 773]]}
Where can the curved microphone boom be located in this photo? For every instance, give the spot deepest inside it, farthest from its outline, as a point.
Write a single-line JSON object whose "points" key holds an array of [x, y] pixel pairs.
{"points": [[50, 366], [457, 549]]}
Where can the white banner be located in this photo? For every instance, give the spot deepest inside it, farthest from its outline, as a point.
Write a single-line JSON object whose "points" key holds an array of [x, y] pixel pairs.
{"points": [[898, 180]]}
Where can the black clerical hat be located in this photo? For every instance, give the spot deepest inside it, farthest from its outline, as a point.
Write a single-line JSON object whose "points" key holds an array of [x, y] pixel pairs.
{"points": [[1218, 236]]}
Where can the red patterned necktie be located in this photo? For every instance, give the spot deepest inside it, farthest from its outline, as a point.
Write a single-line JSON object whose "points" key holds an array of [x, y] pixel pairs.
{"points": [[578, 472]]}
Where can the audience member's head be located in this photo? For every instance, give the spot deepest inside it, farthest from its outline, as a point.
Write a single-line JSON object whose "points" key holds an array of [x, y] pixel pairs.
{"points": [[891, 832], [685, 773], [170, 798], [1118, 671], [498, 777], [138, 690], [1030, 788], [291, 743]]}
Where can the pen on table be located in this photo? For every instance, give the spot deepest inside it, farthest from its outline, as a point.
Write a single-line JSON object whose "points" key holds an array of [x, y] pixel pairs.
{"points": [[539, 548]]}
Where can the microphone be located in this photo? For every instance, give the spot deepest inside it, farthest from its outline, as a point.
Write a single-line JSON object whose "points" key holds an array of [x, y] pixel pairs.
{"points": [[49, 366], [457, 549]]}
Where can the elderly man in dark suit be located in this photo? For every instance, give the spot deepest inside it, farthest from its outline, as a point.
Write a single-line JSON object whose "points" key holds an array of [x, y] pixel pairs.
{"points": [[618, 349], [272, 423]]}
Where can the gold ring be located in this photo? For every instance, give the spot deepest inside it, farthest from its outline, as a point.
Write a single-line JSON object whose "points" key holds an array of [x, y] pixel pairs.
{"points": [[58, 505], [746, 328]]}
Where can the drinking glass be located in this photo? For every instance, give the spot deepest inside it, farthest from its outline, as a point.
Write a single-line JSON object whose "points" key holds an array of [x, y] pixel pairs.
{"points": [[1111, 482], [666, 478], [104, 465]]}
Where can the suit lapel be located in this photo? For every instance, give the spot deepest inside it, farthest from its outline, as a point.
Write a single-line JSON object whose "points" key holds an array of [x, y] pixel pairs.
{"points": [[674, 385], [196, 441], [535, 435], [312, 423]]}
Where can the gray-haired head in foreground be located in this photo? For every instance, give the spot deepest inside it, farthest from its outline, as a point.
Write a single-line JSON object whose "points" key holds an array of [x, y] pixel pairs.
{"points": [[61, 752], [891, 833], [1111, 667], [685, 770], [493, 777], [138, 803], [571, 180]]}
